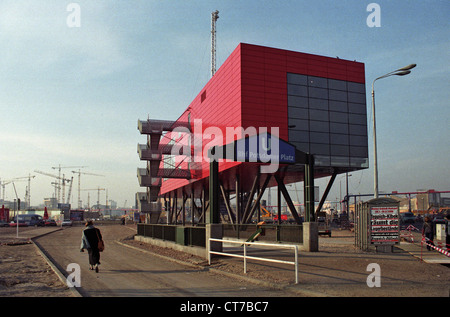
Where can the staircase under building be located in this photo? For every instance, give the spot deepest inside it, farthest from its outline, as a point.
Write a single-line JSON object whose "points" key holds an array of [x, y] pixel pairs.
{"points": [[155, 152]]}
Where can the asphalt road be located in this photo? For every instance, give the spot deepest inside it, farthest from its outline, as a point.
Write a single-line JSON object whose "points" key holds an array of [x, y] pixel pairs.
{"points": [[128, 272]]}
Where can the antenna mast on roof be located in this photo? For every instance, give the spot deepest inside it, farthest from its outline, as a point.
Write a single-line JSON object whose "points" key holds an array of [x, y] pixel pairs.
{"points": [[214, 18]]}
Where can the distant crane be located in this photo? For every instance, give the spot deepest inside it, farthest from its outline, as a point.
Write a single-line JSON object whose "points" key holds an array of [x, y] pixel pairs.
{"points": [[28, 191], [59, 167], [62, 181], [79, 183], [98, 195], [7, 183], [70, 190]]}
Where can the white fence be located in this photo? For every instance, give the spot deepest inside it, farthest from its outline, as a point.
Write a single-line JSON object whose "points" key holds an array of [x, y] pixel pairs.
{"points": [[245, 256]]}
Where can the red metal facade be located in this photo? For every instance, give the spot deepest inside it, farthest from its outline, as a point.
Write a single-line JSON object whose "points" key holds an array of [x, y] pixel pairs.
{"points": [[250, 90]]}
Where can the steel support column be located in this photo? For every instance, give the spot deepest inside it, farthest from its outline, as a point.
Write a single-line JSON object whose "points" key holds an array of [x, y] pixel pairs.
{"points": [[327, 190], [288, 199], [309, 189], [213, 193]]}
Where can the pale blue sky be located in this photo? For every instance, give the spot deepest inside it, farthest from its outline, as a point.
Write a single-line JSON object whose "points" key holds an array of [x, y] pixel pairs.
{"points": [[73, 96]]}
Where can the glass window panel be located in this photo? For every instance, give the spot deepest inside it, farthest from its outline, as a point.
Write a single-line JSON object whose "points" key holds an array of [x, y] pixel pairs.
{"points": [[338, 106], [321, 104], [357, 129], [337, 95], [298, 113], [357, 108], [356, 87], [357, 98], [323, 149], [298, 124], [298, 136], [319, 126], [359, 162], [339, 161], [317, 82], [340, 150], [297, 90], [296, 101], [318, 92], [321, 160], [358, 140], [358, 151], [341, 117], [301, 146], [316, 137], [338, 128], [338, 139], [318, 115], [337, 84], [357, 118]]}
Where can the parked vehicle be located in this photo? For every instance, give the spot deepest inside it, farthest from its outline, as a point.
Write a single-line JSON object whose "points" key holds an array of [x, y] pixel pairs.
{"points": [[31, 220], [66, 222], [50, 222], [22, 223], [407, 217]]}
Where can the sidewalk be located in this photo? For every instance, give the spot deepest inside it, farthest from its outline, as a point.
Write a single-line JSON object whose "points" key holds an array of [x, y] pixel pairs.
{"points": [[338, 269]]}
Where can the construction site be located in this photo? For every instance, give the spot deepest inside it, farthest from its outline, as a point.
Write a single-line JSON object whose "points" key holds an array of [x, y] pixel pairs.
{"points": [[66, 201]]}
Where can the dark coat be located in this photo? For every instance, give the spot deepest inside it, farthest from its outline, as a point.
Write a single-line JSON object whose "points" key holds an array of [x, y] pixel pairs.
{"points": [[91, 236]]}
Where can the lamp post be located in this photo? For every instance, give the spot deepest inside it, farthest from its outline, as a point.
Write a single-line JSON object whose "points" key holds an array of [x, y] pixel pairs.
{"points": [[399, 72]]}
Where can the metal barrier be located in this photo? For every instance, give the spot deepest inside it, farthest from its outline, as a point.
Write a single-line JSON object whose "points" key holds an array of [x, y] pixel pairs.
{"points": [[288, 246]]}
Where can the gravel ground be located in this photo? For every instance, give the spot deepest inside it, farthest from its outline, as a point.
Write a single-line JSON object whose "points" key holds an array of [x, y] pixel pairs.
{"points": [[25, 273]]}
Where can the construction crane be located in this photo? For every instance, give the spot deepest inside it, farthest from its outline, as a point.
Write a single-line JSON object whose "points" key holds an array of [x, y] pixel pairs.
{"points": [[79, 183], [98, 195], [70, 191], [28, 191], [9, 182], [62, 181], [59, 167]]}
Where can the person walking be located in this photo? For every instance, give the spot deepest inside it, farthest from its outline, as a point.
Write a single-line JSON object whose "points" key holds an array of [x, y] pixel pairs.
{"points": [[90, 241], [428, 232]]}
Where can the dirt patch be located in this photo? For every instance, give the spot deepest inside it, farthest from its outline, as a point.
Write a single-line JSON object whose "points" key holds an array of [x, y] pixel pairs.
{"points": [[24, 273]]}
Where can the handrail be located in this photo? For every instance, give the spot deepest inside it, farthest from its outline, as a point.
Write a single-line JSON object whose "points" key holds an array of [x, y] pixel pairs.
{"points": [[295, 262]]}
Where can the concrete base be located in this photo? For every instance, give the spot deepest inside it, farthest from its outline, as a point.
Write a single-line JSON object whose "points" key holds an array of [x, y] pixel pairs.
{"points": [[214, 231], [310, 237], [197, 251]]}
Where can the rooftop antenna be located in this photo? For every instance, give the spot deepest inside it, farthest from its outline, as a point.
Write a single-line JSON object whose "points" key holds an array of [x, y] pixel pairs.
{"points": [[214, 18]]}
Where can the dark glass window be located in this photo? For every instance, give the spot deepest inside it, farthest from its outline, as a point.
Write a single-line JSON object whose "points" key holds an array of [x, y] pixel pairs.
{"points": [[328, 118], [338, 95], [295, 90], [317, 82], [337, 84], [315, 92]]}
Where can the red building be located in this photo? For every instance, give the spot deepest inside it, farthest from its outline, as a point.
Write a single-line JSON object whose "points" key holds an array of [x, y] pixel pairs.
{"points": [[316, 103]]}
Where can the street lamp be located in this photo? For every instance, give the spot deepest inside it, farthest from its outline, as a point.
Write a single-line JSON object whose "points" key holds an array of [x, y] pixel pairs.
{"points": [[399, 72]]}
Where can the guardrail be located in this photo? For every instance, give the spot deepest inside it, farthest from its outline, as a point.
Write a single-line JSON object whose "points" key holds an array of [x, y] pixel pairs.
{"points": [[245, 256]]}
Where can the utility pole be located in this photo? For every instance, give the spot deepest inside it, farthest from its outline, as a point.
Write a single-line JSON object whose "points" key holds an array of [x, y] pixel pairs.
{"points": [[214, 18]]}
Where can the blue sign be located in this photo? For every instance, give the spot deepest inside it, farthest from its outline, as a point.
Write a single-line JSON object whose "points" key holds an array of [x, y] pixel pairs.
{"points": [[264, 148]]}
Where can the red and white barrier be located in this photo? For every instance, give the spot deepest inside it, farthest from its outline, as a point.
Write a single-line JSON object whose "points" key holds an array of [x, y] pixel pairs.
{"points": [[431, 245]]}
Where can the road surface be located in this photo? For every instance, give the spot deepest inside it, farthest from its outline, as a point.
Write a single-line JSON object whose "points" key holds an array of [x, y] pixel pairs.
{"points": [[128, 272]]}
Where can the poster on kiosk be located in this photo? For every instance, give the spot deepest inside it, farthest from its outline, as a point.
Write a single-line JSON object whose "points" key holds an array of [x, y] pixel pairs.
{"points": [[384, 225]]}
